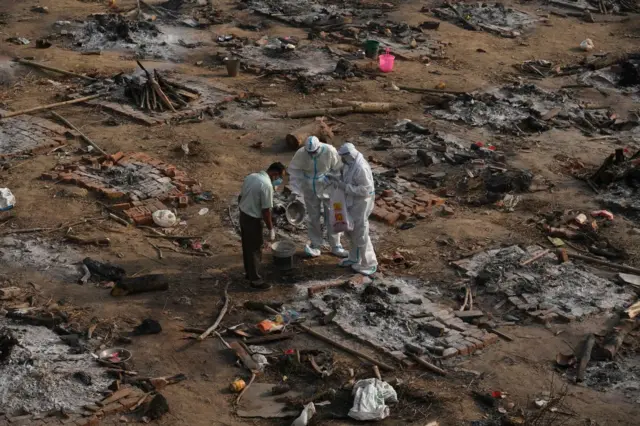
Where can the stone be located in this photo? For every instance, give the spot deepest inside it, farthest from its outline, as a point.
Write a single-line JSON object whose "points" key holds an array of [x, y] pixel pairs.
{"points": [[446, 211]]}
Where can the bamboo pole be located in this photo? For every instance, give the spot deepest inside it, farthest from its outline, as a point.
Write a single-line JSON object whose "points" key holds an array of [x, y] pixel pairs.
{"points": [[82, 135], [58, 70], [50, 106]]}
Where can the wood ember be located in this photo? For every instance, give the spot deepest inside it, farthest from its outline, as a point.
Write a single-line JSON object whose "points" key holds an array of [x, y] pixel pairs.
{"points": [[159, 94]]}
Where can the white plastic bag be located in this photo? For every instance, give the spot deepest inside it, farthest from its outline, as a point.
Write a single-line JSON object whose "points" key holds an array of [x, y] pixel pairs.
{"points": [[369, 400], [164, 218], [338, 215], [307, 412], [7, 199], [587, 45]]}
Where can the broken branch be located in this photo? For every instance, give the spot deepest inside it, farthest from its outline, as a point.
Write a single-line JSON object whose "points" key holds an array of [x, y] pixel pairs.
{"points": [[82, 135], [223, 311]]}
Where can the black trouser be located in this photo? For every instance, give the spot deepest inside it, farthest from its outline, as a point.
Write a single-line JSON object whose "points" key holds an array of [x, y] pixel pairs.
{"points": [[251, 233]]}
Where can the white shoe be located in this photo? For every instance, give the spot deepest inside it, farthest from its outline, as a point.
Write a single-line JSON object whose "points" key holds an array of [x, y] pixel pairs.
{"points": [[346, 263], [338, 251], [364, 271], [311, 251]]}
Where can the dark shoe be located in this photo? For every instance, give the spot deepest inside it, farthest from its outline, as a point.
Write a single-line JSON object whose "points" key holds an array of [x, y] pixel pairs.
{"points": [[260, 285]]}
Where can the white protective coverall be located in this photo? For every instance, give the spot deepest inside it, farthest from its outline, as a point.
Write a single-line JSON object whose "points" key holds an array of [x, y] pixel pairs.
{"points": [[357, 183], [309, 175]]}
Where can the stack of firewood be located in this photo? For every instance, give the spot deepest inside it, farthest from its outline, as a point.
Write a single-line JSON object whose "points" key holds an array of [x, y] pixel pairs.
{"points": [[158, 93]]}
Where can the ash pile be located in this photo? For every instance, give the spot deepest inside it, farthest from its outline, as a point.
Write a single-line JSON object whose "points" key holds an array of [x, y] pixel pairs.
{"points": [[621, 375], [618, 183], [112, 31], [622, 75], [395, 315], [58, 260], [39, 373], [285, 56], [494, 18], [27, 134], [543, 290], [604, 7], [406, 41], [309, 13], [527, 109]]}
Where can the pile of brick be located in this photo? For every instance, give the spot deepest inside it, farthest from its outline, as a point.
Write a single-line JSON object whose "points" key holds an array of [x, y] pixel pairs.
{"points": [[136, 182], [401, 200]]}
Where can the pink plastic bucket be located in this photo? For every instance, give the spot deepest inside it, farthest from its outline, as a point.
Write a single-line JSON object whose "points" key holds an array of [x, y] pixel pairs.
{"points": [[385, 62]]}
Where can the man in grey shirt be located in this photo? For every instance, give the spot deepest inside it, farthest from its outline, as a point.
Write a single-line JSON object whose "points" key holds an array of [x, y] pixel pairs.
{"points": [[255, 203]]}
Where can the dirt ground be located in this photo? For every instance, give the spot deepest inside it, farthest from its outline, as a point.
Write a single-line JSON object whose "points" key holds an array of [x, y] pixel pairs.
{"points": [[522, 368]]}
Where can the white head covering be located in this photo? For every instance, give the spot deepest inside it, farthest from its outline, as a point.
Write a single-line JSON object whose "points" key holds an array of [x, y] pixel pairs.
{"points": [[348, 148], [312, 144]]}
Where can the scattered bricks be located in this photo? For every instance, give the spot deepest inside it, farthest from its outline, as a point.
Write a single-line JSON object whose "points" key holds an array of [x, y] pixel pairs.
{"points": [[380, 202], [387, 193], [489, 339], [434, 328], [392, 218], [449, 352], [117, 156], [404, 216]]}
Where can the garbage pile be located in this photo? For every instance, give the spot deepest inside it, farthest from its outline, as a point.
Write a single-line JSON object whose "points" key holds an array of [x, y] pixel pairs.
{"points": [[526, 109], [543, 290], [494, 18]]}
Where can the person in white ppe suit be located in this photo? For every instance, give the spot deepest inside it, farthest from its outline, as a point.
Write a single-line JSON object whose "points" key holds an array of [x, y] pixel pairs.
{"points": [[310, 172], [357, 183]]}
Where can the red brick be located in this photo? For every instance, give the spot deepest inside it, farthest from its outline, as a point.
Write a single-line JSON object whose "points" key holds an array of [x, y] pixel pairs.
{"points": [[379, 213], [121, 206], [479, 344], [380, 202], [392, 218], [183, 201], [462, 349], [489, 339], [67, 177], [49, 176], [449, 352], [404, 216], [112, 194], [117, 156], [170, 171], [387, 193]]}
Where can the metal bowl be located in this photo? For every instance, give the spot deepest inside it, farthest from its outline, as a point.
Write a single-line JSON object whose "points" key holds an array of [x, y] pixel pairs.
{"points": [[295, 212], [115, 355]]}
